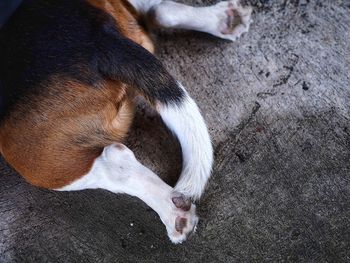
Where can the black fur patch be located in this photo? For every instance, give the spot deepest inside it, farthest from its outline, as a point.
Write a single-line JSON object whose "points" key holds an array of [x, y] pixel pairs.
{"points": [[74, 39], [7, 8], [122, 59]]}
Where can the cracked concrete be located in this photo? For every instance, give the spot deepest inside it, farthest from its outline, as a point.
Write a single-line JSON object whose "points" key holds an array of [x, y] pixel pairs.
{"points": [[277, 103]]}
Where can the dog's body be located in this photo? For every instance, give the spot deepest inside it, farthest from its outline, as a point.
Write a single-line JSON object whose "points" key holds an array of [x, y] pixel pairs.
{"points": [[69, 71]]}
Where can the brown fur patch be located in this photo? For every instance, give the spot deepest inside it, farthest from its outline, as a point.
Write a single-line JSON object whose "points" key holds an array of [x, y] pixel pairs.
{"points": [[57, 140], [127, 19]]}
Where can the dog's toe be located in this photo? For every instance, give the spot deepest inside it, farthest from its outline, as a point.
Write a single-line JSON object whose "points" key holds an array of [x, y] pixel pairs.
{"points": [[181, 220], [234, 19]]}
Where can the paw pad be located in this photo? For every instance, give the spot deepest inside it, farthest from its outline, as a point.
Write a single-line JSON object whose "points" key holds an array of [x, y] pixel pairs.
{"points": [[180, 224], [182, 202]]}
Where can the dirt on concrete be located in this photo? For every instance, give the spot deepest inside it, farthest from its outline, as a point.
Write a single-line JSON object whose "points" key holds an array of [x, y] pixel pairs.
{"points": [[277, 103]]}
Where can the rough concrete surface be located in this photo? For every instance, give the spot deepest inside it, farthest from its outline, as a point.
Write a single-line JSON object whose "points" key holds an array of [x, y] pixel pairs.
{"points": [[277, 103]]}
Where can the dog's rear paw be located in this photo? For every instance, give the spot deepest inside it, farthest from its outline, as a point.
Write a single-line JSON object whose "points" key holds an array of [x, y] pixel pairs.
{"points": [[233, 19], [182, 219]]}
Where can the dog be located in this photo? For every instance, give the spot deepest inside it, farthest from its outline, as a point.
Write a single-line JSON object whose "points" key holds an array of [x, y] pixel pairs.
{"points": [[69, 73]]}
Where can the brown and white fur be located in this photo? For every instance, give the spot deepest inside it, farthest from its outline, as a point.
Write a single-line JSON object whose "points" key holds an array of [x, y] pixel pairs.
{"points": [[72, 140]]}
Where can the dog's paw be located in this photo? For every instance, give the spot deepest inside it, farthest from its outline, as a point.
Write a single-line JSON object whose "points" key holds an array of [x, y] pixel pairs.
{"points": [[232, 19], [181, 219]]}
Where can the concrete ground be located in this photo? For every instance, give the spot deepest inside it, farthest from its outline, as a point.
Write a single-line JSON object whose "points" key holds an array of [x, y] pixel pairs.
{"points": [[277, 103]]}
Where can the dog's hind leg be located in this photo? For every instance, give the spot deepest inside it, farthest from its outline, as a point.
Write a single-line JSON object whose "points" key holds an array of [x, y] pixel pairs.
{"points": [[227, 19], [123, 60], [118, 171]]}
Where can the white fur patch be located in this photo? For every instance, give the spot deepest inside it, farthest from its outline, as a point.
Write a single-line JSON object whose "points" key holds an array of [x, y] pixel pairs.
{"points": [[118, 171], [143, 6], [226, 19], [187, 123]]}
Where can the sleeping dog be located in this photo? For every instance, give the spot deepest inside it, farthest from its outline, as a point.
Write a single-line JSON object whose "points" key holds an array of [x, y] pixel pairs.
{"points": [[69, 73]]}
